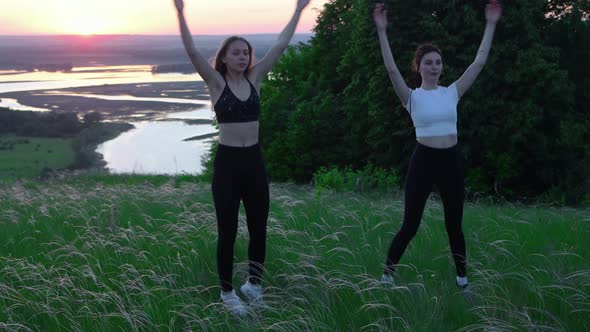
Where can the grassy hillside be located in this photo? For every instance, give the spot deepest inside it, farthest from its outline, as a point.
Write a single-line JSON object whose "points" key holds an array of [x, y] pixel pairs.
{"points": [[108, 253], [27, 156]]}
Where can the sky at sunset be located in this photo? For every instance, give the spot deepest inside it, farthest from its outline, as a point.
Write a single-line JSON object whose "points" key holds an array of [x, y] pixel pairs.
{"points": [[150, 17]]}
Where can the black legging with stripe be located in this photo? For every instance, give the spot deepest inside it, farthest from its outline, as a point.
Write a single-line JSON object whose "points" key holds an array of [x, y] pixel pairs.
{"points": [[428, 167], [239, 174]]}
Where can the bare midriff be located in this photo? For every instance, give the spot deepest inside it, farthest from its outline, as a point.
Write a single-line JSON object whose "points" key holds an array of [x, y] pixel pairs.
{"points": [[238, 134], [438, 142]]}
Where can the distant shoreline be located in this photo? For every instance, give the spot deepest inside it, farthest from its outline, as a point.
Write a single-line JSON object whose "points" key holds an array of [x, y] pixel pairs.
{"points": [[20, 51], [119, 110], [123, 97]]}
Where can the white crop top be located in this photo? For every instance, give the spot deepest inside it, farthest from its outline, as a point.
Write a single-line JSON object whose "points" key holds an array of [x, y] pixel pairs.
{"points": [[434, 112]]}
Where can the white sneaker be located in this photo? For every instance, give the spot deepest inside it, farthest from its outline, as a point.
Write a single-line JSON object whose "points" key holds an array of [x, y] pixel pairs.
{"points": [[387, 280], [462, 284], [252, 292], [464, 288], [233, 303]]}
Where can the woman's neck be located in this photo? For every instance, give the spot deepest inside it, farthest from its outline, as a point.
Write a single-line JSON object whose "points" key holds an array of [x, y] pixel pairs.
{"points": [[234, 76], [429, 85]]}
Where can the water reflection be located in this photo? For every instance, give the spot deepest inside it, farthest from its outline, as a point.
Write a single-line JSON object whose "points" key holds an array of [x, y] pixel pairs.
{"points": [[204, 113], [14, 105], [157, 148], [87, 76], [128, 97]]}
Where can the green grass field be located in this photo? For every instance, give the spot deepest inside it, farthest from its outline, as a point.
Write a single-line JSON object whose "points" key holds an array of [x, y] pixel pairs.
{"points": [[124, 253], [25, 157]]}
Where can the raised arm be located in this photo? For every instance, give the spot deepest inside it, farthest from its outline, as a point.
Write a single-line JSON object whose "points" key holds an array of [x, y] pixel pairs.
{"points": [[493, 13], [263, 66], [400, 86], [205, 70]]}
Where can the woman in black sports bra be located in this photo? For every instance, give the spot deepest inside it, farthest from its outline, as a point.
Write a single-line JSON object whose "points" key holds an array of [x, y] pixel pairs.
{"points": [[238, 173]]}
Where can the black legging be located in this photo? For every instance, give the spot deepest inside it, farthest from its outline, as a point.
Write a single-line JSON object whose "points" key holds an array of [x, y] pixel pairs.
{"points": [[239, 174], [428, 167]]}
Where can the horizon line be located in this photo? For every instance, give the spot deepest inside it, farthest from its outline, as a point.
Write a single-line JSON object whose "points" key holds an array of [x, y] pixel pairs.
{"points": [[146, 35]]}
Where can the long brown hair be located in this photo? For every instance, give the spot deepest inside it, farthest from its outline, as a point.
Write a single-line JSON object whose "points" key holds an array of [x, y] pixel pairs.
{"points": [[418, 55], [220, 66]]}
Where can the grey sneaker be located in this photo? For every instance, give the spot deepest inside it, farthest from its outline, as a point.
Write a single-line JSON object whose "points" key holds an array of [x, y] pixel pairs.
{"points": [[387, 280], [252, 292], [464, 288], [466, 292], [462, 284], [233, 303]]}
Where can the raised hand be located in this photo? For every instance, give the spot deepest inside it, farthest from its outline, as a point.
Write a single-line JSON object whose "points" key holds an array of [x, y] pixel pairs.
{"points": [[380, 16], [301, 4], [493, 12], [179, 4]]}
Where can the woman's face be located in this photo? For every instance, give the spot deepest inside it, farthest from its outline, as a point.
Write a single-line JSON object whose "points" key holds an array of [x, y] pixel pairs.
{"points": [[431, 67], [237, 56]]}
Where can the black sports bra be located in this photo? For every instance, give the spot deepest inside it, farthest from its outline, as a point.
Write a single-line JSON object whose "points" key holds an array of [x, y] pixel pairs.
{"points": [[229, 108]]}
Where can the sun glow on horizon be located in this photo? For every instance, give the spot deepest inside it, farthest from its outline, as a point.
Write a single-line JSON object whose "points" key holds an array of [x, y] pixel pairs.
{"points": [[85, 26], [94, 17]]}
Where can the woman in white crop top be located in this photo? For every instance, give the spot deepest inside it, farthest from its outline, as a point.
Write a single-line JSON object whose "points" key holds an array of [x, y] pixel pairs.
{"points": [[437, 159]]}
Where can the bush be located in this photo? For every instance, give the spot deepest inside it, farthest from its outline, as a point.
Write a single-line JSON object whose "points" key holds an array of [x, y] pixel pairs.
{"points": [[367, 179]]}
